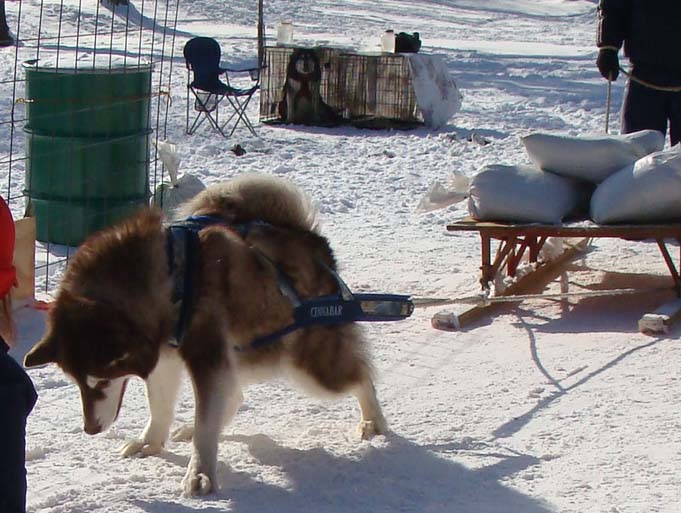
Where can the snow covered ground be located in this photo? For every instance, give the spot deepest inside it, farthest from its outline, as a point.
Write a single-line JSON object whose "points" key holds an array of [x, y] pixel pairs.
{"points": [[557, 406]]}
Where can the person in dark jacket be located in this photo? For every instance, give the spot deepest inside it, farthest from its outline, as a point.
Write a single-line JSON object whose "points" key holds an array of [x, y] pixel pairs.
{"points": [[17, 395], [5, 37], [649, 31]]}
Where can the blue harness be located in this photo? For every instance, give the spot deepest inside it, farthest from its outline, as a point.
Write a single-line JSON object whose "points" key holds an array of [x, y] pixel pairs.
{"points": [[182, 246]]}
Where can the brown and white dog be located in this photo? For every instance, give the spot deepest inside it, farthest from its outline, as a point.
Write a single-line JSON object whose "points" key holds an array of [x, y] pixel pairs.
{"points": [[113, 319]]}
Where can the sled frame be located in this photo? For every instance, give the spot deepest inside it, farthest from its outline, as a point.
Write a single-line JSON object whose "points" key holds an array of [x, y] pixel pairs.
{"points": [[517, 239]]}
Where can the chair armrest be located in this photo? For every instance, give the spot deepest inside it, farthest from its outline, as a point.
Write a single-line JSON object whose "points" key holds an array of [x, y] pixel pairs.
{"points": [[254, 72]]}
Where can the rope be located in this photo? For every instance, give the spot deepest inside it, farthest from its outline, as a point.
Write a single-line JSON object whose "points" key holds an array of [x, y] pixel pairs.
{"points": [[98, 102], [166, 94], [484, 300], [667, 89]]}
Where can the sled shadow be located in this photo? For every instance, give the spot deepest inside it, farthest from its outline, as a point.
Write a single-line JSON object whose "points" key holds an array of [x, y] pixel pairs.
{"points": [[619, 313]]}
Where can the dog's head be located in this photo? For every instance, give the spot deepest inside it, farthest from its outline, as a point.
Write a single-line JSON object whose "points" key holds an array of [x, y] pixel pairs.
{"points": [[304, 65], [98, 347]]}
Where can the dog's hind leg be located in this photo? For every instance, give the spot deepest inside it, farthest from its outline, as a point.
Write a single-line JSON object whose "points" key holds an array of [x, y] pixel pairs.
{"points": [[332, 362], [162, 387], [373, 422]]}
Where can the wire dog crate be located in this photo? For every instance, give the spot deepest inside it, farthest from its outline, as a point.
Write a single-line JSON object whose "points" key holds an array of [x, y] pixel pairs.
{"points": [[366, 90]]}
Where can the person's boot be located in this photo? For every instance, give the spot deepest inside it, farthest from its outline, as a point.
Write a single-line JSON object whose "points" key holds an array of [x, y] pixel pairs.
{"points": [[5, 38]]}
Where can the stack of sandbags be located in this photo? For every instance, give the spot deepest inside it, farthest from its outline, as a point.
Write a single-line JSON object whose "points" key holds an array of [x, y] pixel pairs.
{"points": [[590, 158], [560, 183], [648, 191]]}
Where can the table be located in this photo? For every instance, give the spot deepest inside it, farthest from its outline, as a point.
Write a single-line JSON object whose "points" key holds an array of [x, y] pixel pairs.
{"points": [[369, 89]]}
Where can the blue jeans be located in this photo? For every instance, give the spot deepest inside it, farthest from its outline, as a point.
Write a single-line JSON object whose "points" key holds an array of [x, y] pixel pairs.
{"points": [[17, 398]]}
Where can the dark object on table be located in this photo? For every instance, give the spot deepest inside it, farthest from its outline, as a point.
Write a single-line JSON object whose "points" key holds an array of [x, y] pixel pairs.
{"points": [[407, 43]]}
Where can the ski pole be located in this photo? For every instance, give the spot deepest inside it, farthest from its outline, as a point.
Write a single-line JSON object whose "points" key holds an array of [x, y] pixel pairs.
{"points": [[607, 105]]}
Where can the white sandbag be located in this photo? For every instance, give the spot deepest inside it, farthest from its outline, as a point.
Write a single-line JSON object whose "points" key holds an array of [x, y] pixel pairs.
{"points": [[524, 194], [169, 196], [648, 191], [590, 158]]}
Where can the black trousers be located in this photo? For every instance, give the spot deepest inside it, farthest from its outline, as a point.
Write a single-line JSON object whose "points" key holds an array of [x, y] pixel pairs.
{"points": [[647, 108], [17, 398]]}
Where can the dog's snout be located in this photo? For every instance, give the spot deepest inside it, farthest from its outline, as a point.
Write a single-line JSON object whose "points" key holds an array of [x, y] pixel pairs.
{"points": [[92, 429]]}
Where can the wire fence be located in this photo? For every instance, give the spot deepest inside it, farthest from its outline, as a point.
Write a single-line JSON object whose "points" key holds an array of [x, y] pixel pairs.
{"points": [[84, 96]]}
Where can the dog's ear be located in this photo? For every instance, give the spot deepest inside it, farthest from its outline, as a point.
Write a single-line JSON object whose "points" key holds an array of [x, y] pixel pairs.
{"points": [[42, 353]]}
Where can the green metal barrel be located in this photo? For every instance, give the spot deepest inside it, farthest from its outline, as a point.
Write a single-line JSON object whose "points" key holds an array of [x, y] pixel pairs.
{"points": [[87, 146]]}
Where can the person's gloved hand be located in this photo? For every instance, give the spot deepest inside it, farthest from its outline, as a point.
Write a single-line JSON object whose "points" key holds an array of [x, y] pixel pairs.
{"points": [[608, 63]]}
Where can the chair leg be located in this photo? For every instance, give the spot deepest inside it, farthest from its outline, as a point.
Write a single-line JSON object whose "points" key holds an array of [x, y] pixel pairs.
{"points": [[186, 128], [239, 113], [204, 112], [205, 107], [244, 117]]}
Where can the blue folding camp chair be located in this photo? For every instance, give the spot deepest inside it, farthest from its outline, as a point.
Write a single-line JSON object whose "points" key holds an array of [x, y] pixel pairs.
{"points": [[202, 57]]}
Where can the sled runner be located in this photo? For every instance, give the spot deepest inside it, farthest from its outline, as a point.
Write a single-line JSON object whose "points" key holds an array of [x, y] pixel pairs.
{"points": [[516, 240]]}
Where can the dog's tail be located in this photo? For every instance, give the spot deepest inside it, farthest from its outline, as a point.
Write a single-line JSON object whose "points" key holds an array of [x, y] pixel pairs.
{"points": [[256, 197]]}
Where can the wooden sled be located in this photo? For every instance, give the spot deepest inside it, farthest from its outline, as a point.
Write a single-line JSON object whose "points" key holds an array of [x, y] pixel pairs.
{"points": [[516, 240]]}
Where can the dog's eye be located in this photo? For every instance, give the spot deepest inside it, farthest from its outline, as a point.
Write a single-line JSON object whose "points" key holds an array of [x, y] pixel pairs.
{"points": [[97, 383], [102, 384]]}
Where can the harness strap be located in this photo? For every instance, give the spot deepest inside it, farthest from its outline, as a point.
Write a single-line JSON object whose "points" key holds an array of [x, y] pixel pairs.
{"points": [[285, 286], [333, 309], [341, 308], [182, 245]]}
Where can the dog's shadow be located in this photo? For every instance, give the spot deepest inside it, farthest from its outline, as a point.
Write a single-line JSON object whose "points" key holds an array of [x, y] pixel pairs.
{"points": [[400, 476]]}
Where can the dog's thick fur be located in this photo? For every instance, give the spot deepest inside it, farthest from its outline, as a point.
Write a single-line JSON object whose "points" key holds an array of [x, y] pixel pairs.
{"points": [[113, 318]]}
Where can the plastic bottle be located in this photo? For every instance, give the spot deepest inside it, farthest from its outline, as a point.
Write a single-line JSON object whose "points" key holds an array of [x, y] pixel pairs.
{"points": [[285, 33], [388, 41]]}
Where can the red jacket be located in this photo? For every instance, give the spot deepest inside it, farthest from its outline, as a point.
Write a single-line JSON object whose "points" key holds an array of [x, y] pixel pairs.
{"points": [[8, 273]]}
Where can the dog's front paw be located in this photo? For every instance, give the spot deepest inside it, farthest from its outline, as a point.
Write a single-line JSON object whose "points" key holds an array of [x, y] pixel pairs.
{"points": [[367, 429], [183, 434], [200, 478], [134, 447], [196, 483]]}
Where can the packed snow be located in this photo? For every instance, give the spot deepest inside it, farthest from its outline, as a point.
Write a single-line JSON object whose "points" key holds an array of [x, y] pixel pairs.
{"points": [[545, 406]]}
